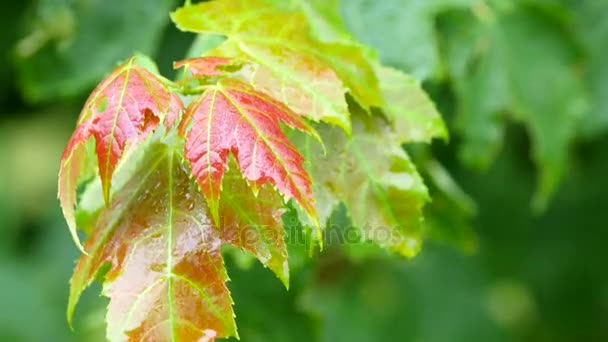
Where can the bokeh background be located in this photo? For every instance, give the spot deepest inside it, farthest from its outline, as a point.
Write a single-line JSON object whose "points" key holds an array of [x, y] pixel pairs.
{"points": [[517, 235]]}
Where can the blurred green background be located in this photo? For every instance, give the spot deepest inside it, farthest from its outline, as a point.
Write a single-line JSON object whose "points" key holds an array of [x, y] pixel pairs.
{"points": [[523, 87]]}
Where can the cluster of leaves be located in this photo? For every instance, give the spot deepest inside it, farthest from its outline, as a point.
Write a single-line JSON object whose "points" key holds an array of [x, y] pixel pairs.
{"points": [[534, 62], [299, 112]]}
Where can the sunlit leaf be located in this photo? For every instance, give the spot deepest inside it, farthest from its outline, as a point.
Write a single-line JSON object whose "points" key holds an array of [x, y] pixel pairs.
{"points": [[325, 19], [326, 84], [301, 64]]}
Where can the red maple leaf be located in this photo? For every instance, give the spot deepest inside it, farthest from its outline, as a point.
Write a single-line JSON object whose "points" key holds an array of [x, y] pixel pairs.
{"points": [[232, 117], [121, 111]]}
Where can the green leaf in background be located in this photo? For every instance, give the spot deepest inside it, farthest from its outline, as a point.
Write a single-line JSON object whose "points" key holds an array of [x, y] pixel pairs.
{"points": [[409, 109], [402, 31], [520, 60], [10, 15], [481, 91], [498, 71], [591, 24], [72, 44]]}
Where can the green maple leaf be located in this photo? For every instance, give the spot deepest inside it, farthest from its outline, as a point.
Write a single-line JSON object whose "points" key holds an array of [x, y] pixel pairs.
{"points": [[409, 109], [325, 19], [402, 31], [497, 71]]}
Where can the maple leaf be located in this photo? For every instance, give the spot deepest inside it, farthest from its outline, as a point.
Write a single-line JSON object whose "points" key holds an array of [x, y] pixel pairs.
{"points": [[370, 172], [301, 67], [408, 108], [375, 179], [590, 23], [232, 117], [496, 71], [121, 111], [166, 278]]}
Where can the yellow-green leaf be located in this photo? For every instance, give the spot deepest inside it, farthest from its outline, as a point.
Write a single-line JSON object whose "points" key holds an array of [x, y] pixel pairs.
{"points": [[279, 40], [374, 177], [410, 110]]}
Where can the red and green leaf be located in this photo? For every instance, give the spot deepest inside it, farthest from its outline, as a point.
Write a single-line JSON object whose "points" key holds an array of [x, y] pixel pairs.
{"points": [[326, 91], [290, 65], [125, 108], [166, 278], [233, 117]]}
